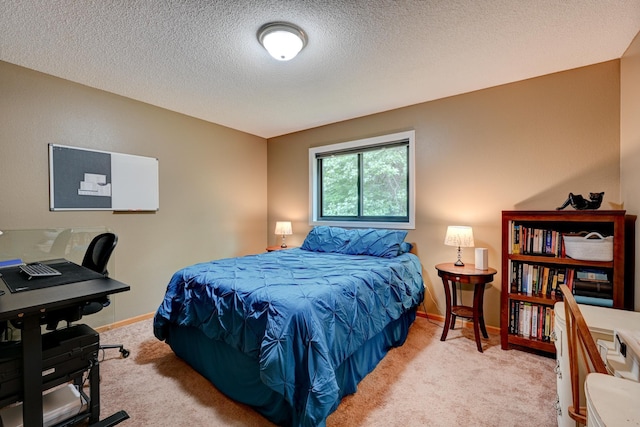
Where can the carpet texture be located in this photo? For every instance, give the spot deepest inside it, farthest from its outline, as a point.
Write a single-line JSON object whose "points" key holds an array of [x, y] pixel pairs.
{"points": [[425, 382]]}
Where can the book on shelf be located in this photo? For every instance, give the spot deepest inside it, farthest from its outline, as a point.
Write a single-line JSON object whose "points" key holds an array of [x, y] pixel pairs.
{"points": [[545, 280], [531, 321], [602, 302], [540, 280], [588, 285], [536, 327], [513, 317], [593, 275], [548, 322], [603, 295], [541, 324], [569, 277], [535, 241], [593, 286], [579, 290], [525, 319]]}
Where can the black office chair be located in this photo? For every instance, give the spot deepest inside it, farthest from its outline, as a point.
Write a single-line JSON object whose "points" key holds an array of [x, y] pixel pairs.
{"points": [[95, 258], [99, 251]]}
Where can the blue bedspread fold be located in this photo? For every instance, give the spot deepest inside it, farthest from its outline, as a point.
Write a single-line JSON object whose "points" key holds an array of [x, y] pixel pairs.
{"points": [[300, 314]]}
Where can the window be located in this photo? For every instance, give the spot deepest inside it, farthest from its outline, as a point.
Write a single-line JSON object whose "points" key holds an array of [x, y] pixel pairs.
{"points": [[364, 183]]}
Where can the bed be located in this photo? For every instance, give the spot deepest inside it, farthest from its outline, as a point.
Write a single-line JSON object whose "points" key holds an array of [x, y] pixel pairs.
{"points": [[291, 332]]}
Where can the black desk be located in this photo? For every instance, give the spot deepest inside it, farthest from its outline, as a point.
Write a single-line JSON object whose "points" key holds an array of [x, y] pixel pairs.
{"points": [[28, 307]]}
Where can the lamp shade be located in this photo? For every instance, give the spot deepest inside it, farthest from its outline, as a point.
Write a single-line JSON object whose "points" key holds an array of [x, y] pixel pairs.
{"points": [[282, 40], [283, 228], [459, 235]]}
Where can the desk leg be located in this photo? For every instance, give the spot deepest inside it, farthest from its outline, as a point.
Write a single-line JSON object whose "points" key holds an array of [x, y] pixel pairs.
{"points": [[32, 372], [94, 390], [478, 314], [447, 316]]}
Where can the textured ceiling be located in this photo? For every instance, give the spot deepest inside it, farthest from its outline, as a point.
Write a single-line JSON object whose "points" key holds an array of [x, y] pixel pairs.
{"points": [[202, 58]]}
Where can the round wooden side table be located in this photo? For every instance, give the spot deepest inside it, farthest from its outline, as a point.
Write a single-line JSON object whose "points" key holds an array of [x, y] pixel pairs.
{"points": [[452, 274], [278, 248]]}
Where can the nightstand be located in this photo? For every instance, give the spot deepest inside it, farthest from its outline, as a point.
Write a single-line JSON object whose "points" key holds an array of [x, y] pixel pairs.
{"points": [[452, 274], [276, 248]]}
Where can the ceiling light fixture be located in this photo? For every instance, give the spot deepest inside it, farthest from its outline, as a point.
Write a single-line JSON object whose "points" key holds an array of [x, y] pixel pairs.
{"points": [[282, 40]]}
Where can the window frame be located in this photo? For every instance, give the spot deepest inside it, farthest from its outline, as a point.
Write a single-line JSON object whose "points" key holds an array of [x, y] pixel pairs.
{"points": [[366, 143]]}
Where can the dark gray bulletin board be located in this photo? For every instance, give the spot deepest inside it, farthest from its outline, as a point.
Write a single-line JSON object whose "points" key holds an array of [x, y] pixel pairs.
{"points": [[84, 179]]}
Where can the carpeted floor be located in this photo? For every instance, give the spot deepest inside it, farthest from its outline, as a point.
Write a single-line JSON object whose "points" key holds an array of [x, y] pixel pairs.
{"points": [[426, 382]]}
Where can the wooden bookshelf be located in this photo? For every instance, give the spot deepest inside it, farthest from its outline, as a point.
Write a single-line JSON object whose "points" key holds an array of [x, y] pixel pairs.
{"points": [[525, 264]]}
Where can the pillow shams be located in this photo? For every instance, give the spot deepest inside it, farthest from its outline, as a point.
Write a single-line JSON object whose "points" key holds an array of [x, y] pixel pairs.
{"points": [[374, 242], [326, 239]]}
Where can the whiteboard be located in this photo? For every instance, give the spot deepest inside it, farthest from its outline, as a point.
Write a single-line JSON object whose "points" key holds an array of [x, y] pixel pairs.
{"points": [[84, 179]]}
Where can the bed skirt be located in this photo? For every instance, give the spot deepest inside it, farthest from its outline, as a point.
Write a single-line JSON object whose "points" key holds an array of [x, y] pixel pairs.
{"points": [[238, 376]]}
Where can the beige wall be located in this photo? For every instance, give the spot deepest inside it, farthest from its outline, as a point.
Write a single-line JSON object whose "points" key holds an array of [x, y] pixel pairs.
{"points": [[518, 146], [630, 141], [524, 145], [213, 192]]}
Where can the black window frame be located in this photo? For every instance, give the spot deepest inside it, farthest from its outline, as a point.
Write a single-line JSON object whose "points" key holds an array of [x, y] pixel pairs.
{"points": [[358, 147]]}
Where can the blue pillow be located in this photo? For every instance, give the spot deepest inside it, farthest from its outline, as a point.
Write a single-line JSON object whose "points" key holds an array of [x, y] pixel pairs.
{"points": [[371, 241], [405, 247], [376, 242], [326, 239]]}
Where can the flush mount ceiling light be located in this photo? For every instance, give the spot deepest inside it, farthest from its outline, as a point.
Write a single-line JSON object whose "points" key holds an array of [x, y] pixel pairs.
{"points": [[282, 40]]}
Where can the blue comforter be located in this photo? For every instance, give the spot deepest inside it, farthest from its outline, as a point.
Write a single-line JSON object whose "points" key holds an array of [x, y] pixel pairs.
{"points": [[300, 314]]}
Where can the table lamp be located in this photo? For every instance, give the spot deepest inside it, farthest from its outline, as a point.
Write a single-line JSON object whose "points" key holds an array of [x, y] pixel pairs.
{"points": [[460, 236], [283, 228]]}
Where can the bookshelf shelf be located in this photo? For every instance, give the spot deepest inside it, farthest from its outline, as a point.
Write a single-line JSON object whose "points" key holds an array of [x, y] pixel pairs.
{"points": [[534, 262], [560, 261]]}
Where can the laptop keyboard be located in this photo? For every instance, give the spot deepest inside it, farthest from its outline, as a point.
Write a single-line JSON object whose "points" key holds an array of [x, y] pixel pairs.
{"points": [[39, 270]]}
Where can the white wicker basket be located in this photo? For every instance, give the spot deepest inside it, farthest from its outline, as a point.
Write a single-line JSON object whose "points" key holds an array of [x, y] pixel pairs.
{"points": [[591, 247]]}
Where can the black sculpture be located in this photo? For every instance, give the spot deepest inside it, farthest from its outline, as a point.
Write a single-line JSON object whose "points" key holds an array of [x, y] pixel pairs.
{"points": [[580, 203]]}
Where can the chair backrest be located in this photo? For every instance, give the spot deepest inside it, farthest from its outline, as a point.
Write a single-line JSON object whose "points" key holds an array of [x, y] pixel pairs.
{"points": [[99, 252], [581, 344]]}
